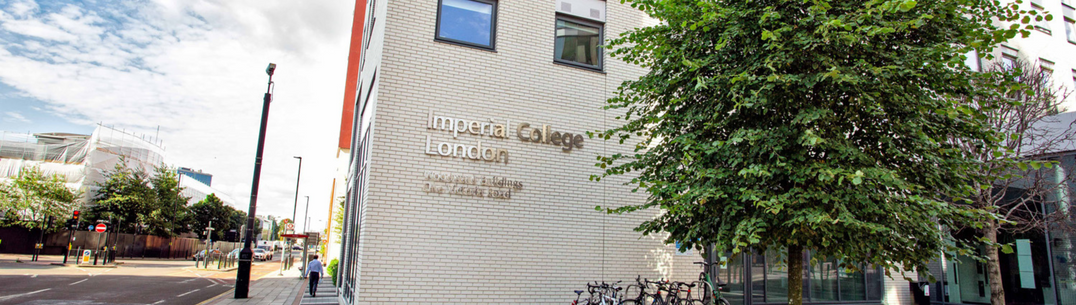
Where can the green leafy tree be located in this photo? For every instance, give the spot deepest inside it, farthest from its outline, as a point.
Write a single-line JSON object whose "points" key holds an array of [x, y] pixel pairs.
{"points": [[31, 197], [171, 214], [211, 209], [126, 199], [138, 202], [338, 219], [826, 126]]}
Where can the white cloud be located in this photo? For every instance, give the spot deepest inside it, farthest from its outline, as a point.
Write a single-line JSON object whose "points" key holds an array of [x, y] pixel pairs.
{"points": [[15, 116], [195, 69]]}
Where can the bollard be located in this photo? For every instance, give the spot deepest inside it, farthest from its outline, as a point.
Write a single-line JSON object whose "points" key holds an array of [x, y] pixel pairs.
{"points": [[219, 261]]}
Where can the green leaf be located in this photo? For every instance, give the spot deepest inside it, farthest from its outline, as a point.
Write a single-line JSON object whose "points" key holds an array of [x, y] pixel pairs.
{"points": [[1006, 248], [907, 5]]}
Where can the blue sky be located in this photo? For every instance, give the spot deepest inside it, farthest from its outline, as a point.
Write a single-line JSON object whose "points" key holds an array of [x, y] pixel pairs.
{"points": [[195, 70]]}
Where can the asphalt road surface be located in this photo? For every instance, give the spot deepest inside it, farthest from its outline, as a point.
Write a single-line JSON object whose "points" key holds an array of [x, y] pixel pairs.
{"points": [[134, 282]]}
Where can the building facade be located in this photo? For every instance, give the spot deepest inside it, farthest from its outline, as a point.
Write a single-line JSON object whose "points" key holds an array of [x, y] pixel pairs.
{"points": [[469, 165], [204, 178]]}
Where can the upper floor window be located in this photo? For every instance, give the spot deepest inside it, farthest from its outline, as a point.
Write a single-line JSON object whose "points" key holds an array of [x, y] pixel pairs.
{"points": [[578, 42], [1070, 23], [468, 22], [1043, 24]]}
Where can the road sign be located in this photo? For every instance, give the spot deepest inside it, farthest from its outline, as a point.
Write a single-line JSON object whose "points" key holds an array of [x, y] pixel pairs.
{"points": [[290, 227], [100, 228], [86, 256], [293, 235]]}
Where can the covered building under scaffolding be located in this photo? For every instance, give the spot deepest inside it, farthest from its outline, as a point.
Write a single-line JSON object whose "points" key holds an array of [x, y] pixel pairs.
{"points": [[81, 159]]}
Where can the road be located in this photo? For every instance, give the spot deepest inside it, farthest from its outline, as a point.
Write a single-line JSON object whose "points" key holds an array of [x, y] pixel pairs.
{"points": [[154, 282]]}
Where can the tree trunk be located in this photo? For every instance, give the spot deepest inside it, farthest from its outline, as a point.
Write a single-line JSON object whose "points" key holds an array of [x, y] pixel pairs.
{"points": [[993, 267], [795, 275]]}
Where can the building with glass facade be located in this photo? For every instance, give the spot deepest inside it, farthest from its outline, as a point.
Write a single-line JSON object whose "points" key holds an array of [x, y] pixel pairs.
{"points": [[467, 176]]}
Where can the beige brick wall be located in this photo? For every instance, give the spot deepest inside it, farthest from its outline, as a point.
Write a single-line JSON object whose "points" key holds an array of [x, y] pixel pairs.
{"points": [[544, 242]]}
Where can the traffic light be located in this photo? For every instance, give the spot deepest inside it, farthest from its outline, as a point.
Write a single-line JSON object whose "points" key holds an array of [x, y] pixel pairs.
{"points": [[72, 223]]}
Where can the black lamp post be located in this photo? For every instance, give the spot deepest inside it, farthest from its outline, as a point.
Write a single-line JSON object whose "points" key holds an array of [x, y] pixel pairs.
{"points": [[242, 277]]}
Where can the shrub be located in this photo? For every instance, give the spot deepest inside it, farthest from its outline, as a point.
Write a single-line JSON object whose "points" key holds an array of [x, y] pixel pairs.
{"points": [[333, 265]]}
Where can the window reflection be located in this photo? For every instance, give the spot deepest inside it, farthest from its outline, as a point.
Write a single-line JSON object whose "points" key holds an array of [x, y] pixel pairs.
{"points": [[578, 43], [466, 21]]}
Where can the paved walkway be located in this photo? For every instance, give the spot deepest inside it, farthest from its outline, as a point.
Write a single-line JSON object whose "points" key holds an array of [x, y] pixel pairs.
{"points": [[326, 294], [275, 289]]}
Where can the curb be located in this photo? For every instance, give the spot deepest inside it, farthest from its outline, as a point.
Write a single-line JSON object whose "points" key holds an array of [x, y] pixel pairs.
{"points": [[217, 298], [97, 266]]}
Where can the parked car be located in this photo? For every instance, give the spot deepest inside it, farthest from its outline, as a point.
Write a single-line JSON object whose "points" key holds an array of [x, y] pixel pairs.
{"points": [[260, 254], [201, 254], [296, 248], [234, 254]]}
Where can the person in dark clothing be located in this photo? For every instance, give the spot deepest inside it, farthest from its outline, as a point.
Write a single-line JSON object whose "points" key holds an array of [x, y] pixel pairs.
{"points": [[313, 274]]}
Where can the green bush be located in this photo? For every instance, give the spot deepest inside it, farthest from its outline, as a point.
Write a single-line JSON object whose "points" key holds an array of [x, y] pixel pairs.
{"points": [[333, 265]]}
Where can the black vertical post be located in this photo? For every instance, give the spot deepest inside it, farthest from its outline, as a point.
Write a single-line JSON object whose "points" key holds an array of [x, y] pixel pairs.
{"points": [[67, 250], [242, 278]]}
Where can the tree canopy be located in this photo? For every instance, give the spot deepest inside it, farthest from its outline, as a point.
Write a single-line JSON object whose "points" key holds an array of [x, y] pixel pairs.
{"points": [[820, 125], [138, 202], [32, 196]]}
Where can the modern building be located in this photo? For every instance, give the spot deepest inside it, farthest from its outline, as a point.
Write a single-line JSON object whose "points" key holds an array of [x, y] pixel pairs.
{"points": [[198, 175], [468, 173]]}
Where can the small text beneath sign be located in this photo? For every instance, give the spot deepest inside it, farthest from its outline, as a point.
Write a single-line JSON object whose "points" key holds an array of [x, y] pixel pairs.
{"points": [[484, 186]]}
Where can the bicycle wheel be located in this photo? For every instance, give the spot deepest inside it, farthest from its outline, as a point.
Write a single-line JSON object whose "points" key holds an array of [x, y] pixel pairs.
{"points": [[723, 301]]}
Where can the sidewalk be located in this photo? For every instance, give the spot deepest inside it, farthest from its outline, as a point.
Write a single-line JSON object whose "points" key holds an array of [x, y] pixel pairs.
{"points": [[270, 289], [42, 260]]}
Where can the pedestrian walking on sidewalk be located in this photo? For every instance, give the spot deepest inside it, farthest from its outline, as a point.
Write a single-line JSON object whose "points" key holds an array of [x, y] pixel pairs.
{"points": [[313, 274]]}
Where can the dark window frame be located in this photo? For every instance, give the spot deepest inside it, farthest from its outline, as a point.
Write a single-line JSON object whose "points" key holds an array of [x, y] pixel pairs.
{"points": [[600, 67], [492, 28]]}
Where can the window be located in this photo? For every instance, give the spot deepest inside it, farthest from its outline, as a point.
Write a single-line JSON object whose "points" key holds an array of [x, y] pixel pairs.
{"points": [[578, 43], [1046, 67], [1040, 13], [467, 22], [1008, 57], [1070, 30]]}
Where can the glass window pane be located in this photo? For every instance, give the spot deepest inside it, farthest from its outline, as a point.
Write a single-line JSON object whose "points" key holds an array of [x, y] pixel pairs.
{"points": [[467, 21], [824, 281], [776, 277], [732, 277], [875, 278], [852, 285], [577, 43], [1070, 30], [758, 277]]}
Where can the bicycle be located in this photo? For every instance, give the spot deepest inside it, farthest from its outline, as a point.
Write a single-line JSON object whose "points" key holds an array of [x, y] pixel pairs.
{"points": [[643, 297], [710, 296], [603, 294]]}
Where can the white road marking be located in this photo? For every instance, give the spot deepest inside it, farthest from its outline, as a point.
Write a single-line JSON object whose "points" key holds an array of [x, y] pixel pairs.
{"points": [[4, 298], [214, 284], [188, 292], [78, 282], [188, 281], [158, 302], [34, 276]]}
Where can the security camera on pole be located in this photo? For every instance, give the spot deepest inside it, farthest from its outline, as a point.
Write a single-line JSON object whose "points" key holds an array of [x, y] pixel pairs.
{"points": [[242, 277]]}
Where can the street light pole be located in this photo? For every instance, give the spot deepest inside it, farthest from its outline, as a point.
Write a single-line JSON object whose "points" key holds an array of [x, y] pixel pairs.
{"points": [[298, 174], [242, 277], [305, 214]]}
